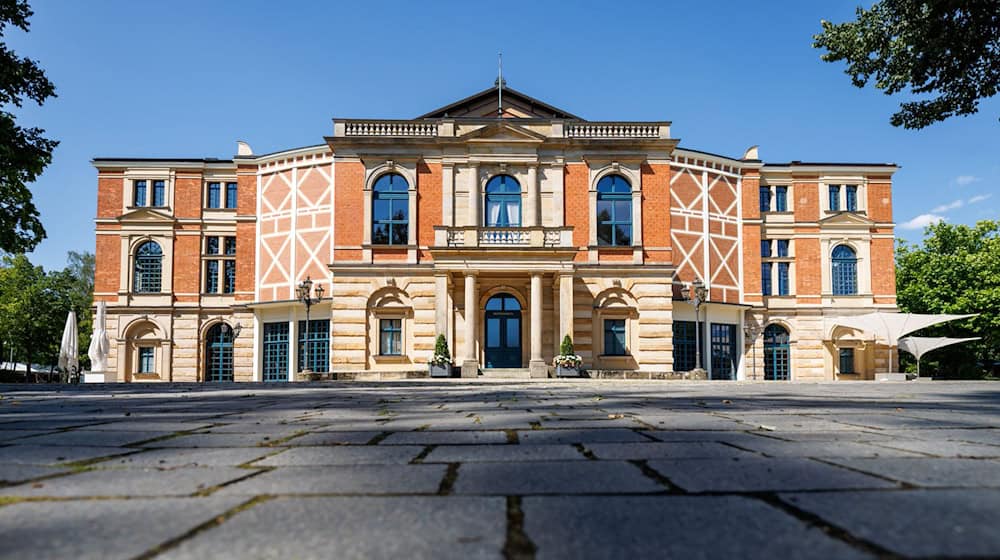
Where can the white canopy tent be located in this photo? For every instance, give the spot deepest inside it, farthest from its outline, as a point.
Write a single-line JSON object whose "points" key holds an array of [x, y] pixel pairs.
{"points": [[920, 345], [69, 362], [893, 326]]}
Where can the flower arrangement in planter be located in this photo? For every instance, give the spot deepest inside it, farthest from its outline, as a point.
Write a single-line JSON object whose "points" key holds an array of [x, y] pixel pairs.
{"points": [[440, 364], [567, 363]]}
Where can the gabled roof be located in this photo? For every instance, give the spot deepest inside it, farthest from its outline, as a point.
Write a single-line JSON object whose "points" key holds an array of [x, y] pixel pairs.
{"points": [[515, 103]]}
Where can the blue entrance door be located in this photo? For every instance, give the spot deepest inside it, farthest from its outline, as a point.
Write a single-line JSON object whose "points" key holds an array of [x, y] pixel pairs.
{"points": [[503, 332]]}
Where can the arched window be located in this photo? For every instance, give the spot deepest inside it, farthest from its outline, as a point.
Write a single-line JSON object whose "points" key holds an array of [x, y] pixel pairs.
{"points": [[503, 202], [148, 268], [776, 354], [219, 353], [614, 211], [391, 210], [844, 265]]}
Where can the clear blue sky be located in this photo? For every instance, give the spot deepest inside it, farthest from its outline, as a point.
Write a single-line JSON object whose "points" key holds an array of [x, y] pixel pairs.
{"points": [[187, 79]]}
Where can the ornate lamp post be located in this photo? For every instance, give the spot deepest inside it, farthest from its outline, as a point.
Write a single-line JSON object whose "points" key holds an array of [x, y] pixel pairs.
{"points": [[697, 294], [752, 331], [304, 293]]}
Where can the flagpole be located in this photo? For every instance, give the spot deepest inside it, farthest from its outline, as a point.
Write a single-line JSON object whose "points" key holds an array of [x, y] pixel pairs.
{"points": [[500, 85]]}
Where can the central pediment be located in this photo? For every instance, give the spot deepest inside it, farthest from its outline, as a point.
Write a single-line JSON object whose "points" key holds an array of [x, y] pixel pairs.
{"points": [[503, 132], [146, 216], [847, 219], [485, 104]]}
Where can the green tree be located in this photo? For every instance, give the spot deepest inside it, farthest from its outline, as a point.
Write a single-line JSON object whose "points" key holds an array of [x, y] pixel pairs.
{"points": [[947, 48], [24, 152], [956, 270]]}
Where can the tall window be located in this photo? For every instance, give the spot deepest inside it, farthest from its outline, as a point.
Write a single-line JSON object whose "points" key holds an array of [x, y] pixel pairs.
{"points": [[230, 195], [765, 199], [148, 269], [614, 337], [765, 248], [147, 355], [771, 250], [723, 351], [782, 248], [847, 360], [214, 195], [781, 199], [211, 277], [852, 198], [391, 210], [783, 289], [219, 258], [275, 352], [159, 193], [316, 339], [684, 344], [390, 337], [139, 196], [503, 202], [834, 198], [844, 266], [765, 278], [776, 354], [219, 353], [614, 211]]}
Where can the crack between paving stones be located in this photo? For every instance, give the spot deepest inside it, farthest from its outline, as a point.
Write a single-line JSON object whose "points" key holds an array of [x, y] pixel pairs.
{"points": [[423, 453], [210, 524], [448, 482], [905, 485], [584, 451], [829, 529], [378, 439], [657, 476], [518, 545], [205, 492]]}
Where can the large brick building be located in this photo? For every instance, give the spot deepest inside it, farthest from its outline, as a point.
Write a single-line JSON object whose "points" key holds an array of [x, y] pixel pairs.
{"points": [[504, 233]]}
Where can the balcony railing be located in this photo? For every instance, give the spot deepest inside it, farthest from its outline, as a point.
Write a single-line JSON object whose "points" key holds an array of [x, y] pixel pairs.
{"points": [[473, 236], [618, 130], [390, 128]]}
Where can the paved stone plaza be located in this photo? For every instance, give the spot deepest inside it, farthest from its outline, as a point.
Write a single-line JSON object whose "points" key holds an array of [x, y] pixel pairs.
{"points": [[451, 469]]}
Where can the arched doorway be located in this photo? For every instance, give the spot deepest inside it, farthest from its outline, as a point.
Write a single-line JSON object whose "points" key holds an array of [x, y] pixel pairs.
{"points": [[219, 353], [776, 362], [503, 332]]}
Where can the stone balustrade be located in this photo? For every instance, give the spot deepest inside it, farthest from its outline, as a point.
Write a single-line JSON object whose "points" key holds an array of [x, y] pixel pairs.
{"points": [[390, 128], [473, 236], [617, 130]]}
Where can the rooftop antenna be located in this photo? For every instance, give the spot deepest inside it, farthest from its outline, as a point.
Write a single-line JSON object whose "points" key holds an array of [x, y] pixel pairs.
{"points": [[500, 85]]}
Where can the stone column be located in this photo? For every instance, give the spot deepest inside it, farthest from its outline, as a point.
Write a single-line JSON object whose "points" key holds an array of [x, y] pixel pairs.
{"points": [[566, 307], [536, 365], [470, 362], [531, 209], [441, 306], [474, 212]]}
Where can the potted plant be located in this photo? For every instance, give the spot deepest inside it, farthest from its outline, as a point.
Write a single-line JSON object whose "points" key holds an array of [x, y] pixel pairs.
{"points": [[440, 364], [567, 362]]}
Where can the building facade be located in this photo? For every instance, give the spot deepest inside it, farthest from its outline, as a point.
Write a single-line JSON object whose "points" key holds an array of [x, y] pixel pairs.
{"points": [[505, 227]]}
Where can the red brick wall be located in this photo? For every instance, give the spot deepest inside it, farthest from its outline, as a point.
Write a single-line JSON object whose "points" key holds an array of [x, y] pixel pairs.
{"points": [[187, 195], [883, 265], [880, 201], [349, 181], [108, 269], [246, 232], [429, 212], [656, 211], [806, 204], [808, 266], [577, 204], [187, 266], [110, 191]]}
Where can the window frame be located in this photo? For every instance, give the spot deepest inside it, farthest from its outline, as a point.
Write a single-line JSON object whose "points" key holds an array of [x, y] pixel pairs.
{"points": [[614, 196], [843, 272], [274, 348], [851, 198], [397, 330], [146, 267], [315, 334], [846, 353], [612, 332], [231, 192], [140, 186], [503, 196], [390, 222], [833, 197], [685, 342], [145, 353]]}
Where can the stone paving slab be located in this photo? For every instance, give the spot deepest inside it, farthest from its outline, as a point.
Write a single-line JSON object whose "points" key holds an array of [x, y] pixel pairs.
{"points": [[756, 475], [101, 529], [53, 454], [354, 479], [343, 455], [185, 457], [93, 438], [672, 527], [914, 523], [10, 474], [334, 438], [444, 438], [776, 448], [665, 450], [988, 437], [502, 453], [216, 440], [129, 482], [553, 477], [11, 435], [946, 472], [945, 448], [321, 528], [149, 425], [580, 436]]}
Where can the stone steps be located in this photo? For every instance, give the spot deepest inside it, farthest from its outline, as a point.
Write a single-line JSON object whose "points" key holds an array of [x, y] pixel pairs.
{"points": [[507, 373]]}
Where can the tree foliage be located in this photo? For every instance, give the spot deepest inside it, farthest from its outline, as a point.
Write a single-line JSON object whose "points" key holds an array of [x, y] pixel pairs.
{"points": [[24, 152], [956, 270], [947, 48]]}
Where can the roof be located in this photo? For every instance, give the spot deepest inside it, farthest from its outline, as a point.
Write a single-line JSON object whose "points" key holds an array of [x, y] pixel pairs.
{"points": [[467, 107]]}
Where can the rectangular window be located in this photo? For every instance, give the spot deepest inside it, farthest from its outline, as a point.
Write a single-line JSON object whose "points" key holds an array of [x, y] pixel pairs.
{"points": [[390, 337], [765, 199], [765, 247], [229, 246], [781, 199], [228, 277], [147, 355], [211, 277], [724, 358], [852, 198], [684, 343], [211, 245], [139, 198], [230, 195], [782, 248], [834, 198], [214, 195], [159, 194], [783, 279], [315, 339], [275, 352], [847, 360], [614, 337], [765, 278]]}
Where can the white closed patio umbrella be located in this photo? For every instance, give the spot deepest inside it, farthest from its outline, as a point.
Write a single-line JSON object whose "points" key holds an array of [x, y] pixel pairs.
{"points": [[68, 349], [893, 326], [920, 345]]}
